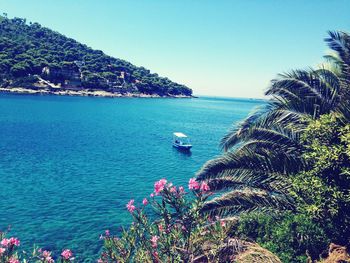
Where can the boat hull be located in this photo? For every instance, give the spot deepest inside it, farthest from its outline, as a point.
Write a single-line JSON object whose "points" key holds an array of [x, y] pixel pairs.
{"points": [[182, 147]]}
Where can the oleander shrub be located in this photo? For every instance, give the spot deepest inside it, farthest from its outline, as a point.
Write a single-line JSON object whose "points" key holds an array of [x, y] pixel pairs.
{"points": [[175, 230], [10, 253]]}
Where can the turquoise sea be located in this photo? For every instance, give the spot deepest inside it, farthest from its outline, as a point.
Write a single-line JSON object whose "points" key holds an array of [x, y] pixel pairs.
{"points": [[69, 165]]}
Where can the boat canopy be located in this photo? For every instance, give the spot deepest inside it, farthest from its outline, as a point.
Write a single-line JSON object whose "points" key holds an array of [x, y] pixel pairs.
{"points": [[180, 135]]}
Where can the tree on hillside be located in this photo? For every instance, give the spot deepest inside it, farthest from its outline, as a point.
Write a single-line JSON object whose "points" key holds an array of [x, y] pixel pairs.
{"points": [[22, 45]]}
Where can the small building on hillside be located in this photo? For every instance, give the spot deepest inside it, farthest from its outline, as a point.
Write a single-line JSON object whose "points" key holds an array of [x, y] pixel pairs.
{"points": [[69, 75]]}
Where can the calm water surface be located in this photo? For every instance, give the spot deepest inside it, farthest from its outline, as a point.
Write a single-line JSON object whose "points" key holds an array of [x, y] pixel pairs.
{"points": [[68, 165]]}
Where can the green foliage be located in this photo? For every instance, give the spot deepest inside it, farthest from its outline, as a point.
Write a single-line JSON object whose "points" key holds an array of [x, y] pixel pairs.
{"points": [[178, 232], [291, 237], [265, 148], [21, 69], [292, 154], [10, 253], [322, 190], [27, 49]]}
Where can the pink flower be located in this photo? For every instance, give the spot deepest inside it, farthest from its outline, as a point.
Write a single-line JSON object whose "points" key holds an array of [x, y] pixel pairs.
{"points": [[193, 184], [222, 223], [155, 254], [130, 206], [2, 250], [13, 260], [5, 242], [14, 241], [159, 186], [107, 233], [151, 195], [66, 254], [160, 227], [173, 189], [46, 253], [204, 187], [181, 190], [144, 201], [154, 241]]}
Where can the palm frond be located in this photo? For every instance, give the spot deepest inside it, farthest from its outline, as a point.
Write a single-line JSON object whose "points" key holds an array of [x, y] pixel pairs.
{"points": [[232, 137], [272, 117], [247, 200], [264, 150], [339, 41], [238, 180], [306, 91], [256, 156]]}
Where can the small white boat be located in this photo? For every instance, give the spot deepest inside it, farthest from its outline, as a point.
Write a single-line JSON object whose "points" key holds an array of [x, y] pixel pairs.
{"points": [[181, 141]]}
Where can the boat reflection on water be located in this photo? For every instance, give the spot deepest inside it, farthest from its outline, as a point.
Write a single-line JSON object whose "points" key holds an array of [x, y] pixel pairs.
{"points": [[182, 152]]}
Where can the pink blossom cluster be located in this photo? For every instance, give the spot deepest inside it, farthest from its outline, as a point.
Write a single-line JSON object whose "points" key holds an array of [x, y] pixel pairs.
{"points": [[154, 241], [155, 254], [47, 256], [193, 184], [13, 260], [159, 186], [144, 201], [173, 189], [130, 206], [181, 190], [222, 221], [107, 235], [66, 254], [10, 242]]}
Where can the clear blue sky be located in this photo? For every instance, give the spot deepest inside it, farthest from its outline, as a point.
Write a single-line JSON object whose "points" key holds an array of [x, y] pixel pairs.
{"points": [[216, 47]]}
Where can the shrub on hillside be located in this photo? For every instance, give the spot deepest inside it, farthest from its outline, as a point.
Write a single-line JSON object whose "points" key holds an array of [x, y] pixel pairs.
{"points": [[291, 237], [322, 190]]}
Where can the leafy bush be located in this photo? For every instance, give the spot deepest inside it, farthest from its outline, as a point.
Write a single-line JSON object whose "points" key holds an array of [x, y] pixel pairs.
{"points": [[322, 190], [175, 231], [177, 234], [291, 237], [9, 253]]}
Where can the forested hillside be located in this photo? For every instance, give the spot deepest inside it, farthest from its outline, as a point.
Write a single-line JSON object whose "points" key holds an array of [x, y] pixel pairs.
{"points": [[30, 53]]}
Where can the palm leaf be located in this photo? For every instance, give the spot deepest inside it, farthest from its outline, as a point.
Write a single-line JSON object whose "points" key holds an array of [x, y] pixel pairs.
{"points": [[247, 200]]}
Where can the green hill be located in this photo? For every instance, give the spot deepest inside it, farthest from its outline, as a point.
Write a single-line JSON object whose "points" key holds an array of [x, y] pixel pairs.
{"points": [[33, 56]]}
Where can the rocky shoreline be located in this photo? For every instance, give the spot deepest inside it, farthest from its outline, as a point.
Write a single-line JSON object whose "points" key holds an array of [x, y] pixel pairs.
{"points": [[86, 93]]}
